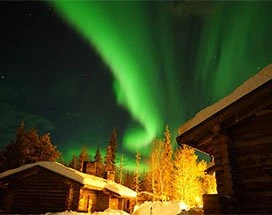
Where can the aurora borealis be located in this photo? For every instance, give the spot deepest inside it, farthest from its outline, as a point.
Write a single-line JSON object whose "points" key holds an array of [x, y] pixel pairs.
{"points": [[125, 45], [132, 65]]}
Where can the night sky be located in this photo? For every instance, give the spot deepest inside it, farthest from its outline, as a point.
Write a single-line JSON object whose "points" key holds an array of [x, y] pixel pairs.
{"points": [[80, 69]]}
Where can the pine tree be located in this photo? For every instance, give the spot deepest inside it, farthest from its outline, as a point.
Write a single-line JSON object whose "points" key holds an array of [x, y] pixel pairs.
{"points": [[28, 147], [113, 144], [74, 162], [109, 166], [167, 166], [188, 175], [83, 156], [129, 182], [137, 172], [145, 182], [99, 163]]}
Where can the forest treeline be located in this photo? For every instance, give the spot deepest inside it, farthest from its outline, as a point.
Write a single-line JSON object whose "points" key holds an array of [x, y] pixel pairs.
{"points": [[172, 174]]}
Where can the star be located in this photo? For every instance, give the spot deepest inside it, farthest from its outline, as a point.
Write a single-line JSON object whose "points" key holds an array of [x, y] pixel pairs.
{"points": [[2, 76]]}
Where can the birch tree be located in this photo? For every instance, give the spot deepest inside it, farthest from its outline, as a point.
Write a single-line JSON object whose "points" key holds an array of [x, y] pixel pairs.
{"points": [[188, 176]]}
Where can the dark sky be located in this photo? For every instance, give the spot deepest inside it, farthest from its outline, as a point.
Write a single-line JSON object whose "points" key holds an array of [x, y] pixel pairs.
{"points": [[53, 79], [57, 78]]}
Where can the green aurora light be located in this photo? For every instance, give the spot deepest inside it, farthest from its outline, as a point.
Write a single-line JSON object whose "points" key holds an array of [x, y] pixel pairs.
{"points": [[168, 68]]}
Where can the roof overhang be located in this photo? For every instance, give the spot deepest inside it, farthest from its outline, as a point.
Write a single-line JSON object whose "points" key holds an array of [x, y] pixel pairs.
{"points": [[250, 98]]}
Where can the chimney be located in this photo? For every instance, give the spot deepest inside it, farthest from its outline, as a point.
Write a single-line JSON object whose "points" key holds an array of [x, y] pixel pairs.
{"points": [[110, 175]]}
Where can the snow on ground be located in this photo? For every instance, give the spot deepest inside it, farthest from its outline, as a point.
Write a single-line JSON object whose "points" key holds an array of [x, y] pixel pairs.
{"points": [[158, 208], [147, 208], [106, 212]]}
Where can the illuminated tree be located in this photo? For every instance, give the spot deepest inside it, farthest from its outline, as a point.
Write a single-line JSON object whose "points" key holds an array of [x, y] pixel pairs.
{"points": [[129, 179], [137, 172], [28, 147], [99, 163], [209, 184], [155, 174], [166, 165], [121, 169], [188, 176], [108, 164]]}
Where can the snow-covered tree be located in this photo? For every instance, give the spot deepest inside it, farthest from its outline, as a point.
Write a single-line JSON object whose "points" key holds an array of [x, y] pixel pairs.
{"points": [[187, 176]]}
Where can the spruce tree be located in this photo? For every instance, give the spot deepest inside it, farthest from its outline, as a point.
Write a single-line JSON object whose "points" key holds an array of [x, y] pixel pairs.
{"points": [[83, 156], [28, 147], [109, 166], [74, 162], [99, 163], [129, 179], [113, 144]]}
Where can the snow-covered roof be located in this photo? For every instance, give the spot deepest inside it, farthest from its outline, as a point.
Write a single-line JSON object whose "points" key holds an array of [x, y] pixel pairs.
{"points": [[248, 86], [82, 178]]}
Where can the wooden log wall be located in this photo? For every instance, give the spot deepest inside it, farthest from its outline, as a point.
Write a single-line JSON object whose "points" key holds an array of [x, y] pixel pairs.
{"points": [[252, 166], [220, 145], [73, 195], [211, 204], [91, 200], [39, 192]]}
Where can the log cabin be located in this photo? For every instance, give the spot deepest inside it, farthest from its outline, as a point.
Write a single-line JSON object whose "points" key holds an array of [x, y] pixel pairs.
{"points": [[52, 187], [237, 132]]}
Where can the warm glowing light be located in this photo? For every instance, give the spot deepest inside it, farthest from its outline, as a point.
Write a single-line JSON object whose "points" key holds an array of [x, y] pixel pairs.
{"points": [[183, 206], [198, 199]]}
